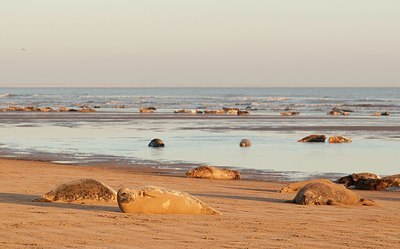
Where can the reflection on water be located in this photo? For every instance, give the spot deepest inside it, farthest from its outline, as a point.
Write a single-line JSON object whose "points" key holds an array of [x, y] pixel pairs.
{"points": [[271, 150]]}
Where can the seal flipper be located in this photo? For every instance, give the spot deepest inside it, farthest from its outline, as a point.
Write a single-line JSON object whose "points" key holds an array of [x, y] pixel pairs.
{"points": [[366, 202]]}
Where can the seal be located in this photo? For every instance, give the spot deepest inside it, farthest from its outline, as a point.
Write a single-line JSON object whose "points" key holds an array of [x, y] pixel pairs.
{"points": [[83, 190], [320, 193], [147, 109], [209, 172], [388, 182], [313, 139], [295, 186], [339, 139], [290, 113], [156, 142], [352, 180], [157, 200], [245, 143]]}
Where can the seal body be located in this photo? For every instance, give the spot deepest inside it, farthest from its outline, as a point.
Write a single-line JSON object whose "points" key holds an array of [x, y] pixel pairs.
{"points": [[313, 139], [353, 179], [157, 200], [209, 172], [83, 190], [384, 183], [320, 193], [147, 109], [156, 143], [295, 186], [339, 139], [290, 113], [381, 114], [245, 143]]}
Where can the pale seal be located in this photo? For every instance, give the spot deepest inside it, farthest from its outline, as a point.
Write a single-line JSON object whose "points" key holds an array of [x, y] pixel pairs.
{"points": [[83, 190], [209, 172], [157, 200], [339, 139], [320, 193]]}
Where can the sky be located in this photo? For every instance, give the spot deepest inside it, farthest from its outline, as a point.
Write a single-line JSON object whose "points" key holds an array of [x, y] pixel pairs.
{"points": [[209, 43]]}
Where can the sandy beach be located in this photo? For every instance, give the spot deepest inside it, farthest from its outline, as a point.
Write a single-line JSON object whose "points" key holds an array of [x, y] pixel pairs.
{"points": [[254, 214]]}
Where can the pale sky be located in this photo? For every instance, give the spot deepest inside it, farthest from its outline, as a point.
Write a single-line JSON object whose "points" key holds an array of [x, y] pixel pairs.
{"points": [[199, 43]]}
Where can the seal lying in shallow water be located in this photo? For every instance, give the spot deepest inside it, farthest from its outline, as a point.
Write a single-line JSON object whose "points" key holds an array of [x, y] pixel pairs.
{"points": [[156, 142], [352, 180], [156, 200], [295, 186], [320, 193], [339, 139], [208, 172], [245, 143], [83, 190], [313, 139]]}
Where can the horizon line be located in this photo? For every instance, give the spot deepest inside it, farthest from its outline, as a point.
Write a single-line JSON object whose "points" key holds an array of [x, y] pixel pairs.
{"points": [[199, 86]]}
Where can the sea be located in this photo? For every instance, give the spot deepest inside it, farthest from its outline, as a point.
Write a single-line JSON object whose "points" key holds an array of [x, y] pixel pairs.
{"points": [[118, 134]]}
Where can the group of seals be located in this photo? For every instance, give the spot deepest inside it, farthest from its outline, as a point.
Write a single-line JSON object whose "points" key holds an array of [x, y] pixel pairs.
{"points": [[322, 138], [148, 199], [155, 143], [326, 192], [209, 172]]}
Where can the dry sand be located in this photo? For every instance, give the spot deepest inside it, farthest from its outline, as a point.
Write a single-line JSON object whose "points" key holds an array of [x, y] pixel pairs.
{"points": [[254, 215]]}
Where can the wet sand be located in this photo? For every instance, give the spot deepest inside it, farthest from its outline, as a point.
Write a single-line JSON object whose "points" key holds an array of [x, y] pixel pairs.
{"points": [[254, 215]]}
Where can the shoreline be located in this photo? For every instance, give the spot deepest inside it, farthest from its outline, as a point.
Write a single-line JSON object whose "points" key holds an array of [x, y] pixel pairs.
{"points": [[171, 169], [254, 214]]}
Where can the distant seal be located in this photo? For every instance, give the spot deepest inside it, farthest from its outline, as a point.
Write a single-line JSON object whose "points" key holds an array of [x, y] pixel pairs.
{"points": [[320, 193], [245, 143], [214, 112], [157, 200], [231, 110], [351, 180], [209, 172], [83, 190], [290, 113], [381, 114], [147, 109], [295, 186], [156, 143], [339, 139], [240, 113], [313, 139]]}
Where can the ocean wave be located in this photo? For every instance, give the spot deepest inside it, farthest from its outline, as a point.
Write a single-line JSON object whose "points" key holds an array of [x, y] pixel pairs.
{"points": [[376, 100], [6, 95]]}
